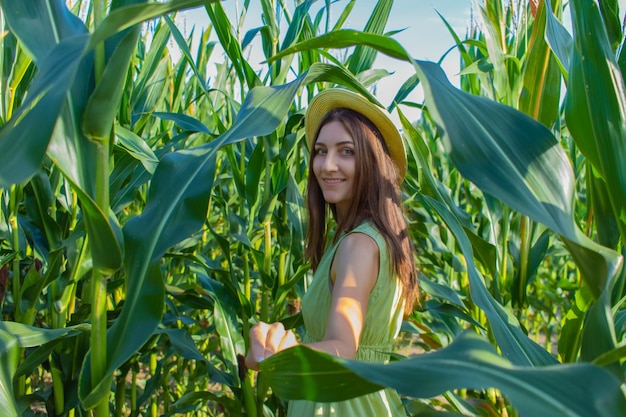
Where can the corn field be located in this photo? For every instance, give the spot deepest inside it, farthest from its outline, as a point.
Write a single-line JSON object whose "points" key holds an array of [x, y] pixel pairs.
{"points": [[151, 213]]}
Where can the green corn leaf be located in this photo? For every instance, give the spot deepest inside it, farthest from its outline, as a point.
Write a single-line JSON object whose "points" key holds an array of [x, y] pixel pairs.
{"points": [[371, 77], [184, 345], [18, 71], [253, 175], [231, 340], [343, 17], [595, 106], [39, 200], [571, 333], [609, 10], [531, 172], [151, 65], [9, 357], [559, 39], [224, 31], [607, 228], [127, 178], [469, 362], [418, 150], [612, 356], [70, 151], [532, 175], [492, 16], [180, 41], [34, 283], [297, 22], [541, 84], [25, 137], [137, 147], [595, 115], [363, 57], [199, 398], [336, 74], [269, 17], [40, 355], [598, 334], [103, 103], [177, 207], [184, 121], [149, 95], [515, 344], [127, 16], [621, 58], [466, 58], [54, 23], [343, 39], [30, 336], [41, 123]]}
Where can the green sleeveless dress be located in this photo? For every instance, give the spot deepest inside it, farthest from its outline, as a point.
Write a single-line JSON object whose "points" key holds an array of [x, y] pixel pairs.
{"points": [[382, 324]]}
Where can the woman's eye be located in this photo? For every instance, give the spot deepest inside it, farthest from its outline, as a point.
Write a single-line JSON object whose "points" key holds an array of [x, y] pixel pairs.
{"points": [[320, 151], [348, 151]]}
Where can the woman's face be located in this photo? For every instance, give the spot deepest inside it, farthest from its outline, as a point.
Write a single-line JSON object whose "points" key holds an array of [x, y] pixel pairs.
{"points": [[334, 165]]}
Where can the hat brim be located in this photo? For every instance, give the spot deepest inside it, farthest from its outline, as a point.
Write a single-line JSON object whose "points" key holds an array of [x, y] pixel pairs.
{"points": [[330, 99]]}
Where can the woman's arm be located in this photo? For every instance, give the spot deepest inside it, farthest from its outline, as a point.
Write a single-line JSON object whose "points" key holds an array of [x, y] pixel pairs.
{"points": [[353, 273]]}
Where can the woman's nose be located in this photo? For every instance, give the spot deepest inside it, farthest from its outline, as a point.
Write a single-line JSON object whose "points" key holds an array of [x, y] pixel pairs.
{"points": [[330, 163]]}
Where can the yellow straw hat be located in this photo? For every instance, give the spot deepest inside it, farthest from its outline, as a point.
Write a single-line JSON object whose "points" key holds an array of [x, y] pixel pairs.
{"points": [[333, 98]]}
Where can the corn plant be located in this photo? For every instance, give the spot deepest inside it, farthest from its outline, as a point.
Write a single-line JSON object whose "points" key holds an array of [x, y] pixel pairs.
{"points": [[153, 213], [534, 178]]}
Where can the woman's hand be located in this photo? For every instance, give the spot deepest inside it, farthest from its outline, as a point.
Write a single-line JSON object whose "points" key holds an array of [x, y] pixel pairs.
{"points": [[267, 339]]}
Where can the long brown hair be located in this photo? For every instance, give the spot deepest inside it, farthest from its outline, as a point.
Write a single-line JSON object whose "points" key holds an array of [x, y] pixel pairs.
{"points": [[376, 198]]}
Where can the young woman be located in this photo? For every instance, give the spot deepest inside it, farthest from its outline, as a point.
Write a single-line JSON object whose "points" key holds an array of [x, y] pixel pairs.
{"points": [[364, 272]]}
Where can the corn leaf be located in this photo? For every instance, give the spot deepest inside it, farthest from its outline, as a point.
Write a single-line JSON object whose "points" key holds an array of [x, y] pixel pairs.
{"points": [[30, 336], [177, 206], [297, 22], [516, 346], [363, 57], [224, 31], [541, 85], [516, 159], [609, 10], [182, 44], [137, 147], [46, 121], [231, 340], [151, 74], [532, 175], [559, 39], [127, 16], [469, 362], [9, 357], [595, 106], [103, 102], [54, 22], [595, 114], [343, 39], [25, 137]]}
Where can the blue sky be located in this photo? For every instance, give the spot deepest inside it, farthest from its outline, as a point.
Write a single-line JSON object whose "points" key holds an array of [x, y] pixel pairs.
{"points": [[422, 32]]}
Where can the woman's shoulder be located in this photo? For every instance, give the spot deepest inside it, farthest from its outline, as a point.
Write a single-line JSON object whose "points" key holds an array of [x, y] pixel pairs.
{"points": [[359, 243], [369, 228]]}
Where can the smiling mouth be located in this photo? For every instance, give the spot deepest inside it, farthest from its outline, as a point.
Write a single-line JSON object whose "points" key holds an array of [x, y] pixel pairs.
{"points": [[333, 180]]}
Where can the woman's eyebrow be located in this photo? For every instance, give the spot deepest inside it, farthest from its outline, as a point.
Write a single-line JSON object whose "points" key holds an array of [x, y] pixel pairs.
{"points": [[342, 143]]}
